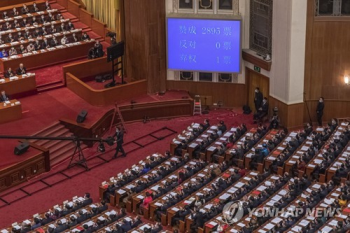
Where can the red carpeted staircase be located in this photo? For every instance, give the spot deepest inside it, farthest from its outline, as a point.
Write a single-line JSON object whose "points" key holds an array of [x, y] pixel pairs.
{"points": [[59, 150]]}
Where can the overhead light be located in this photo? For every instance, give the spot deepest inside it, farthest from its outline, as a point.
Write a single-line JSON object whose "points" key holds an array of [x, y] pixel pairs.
{"points": [[346, 80]]}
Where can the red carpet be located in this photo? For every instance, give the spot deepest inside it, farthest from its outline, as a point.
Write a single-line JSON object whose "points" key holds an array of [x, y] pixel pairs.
{"points": [[51, 74], [89, 181]]}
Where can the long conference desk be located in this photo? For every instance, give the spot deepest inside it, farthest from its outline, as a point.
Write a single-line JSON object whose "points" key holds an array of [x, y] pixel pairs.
{"points": [[18, 84], [45, 58], [10, 110]]}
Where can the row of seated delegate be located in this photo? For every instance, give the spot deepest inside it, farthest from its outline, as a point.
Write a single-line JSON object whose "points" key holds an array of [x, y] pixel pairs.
{"points": [[30, 20], [50, 216], [191, 194], [9, 12]]}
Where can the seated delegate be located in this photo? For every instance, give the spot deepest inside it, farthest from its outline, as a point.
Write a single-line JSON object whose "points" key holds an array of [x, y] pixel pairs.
{"points": [[3, 97], [21, 69]]}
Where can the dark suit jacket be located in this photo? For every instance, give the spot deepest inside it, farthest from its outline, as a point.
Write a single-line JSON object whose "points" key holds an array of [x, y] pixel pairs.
{"points": [[120, 137], [265, 108], [135, 224], [2, 98], [320, 107], [8, 74], [60, 228], [45, 44], [258, 98], [87, 202], [125, 227], [21, 71], [85, 37]]}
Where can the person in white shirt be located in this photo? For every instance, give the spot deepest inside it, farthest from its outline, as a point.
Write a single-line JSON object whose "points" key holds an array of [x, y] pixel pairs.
{"points": [[16, 24], [64, 40], [35, 8], [43, 31], [20, 36], [53, 29], [30, 47], [13, 51], [47, 5], [42, 19], [15, 12]]}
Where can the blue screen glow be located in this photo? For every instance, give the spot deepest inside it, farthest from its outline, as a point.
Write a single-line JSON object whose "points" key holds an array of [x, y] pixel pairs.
{"points": [[204, 45]]}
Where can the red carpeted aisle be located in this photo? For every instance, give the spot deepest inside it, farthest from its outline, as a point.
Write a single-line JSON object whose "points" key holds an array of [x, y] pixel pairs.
{"points": [[90, 181]]}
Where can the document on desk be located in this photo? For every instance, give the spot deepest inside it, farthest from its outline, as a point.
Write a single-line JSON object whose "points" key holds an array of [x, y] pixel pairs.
{"points": [[269, 226]]}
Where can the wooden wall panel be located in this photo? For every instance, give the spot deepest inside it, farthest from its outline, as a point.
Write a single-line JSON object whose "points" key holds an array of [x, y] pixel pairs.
{"points": [[292, 116], [73, 8], [145, 42], [107, 96], [86, 17], [88, 68], [98, 27], [29, 168], [63, 3], [327, 60], [332, 109], [232, 95]]}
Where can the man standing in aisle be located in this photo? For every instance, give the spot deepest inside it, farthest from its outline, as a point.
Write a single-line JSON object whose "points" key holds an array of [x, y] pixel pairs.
{"points": [[258, 99], [319, 111], [119, 134]]}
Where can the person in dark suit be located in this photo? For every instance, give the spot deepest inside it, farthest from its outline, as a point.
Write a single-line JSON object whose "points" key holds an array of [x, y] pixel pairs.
{"points": [[45, 44], [54, 42], [26, 228], [87, 199], [262, 111], [21, 69], [15, 12], [25, 9], [85, 36], [60, 227], [37, 45], [70, 26], [102, 207], [98, 49], [156, 228], [119, 135], [24, 23], [136, 222], [9, 73], [126, 226], [258, 98], [319, 110], [10, 38]]}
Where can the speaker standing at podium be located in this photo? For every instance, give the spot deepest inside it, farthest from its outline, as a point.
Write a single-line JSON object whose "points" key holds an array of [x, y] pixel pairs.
{"points": [[119, 134]]}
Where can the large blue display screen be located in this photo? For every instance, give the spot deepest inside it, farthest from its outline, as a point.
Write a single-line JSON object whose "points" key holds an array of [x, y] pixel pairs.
{"points": [[204, 45]]}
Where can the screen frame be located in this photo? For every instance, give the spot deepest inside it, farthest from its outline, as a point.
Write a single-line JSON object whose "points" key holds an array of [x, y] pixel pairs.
{"points": [[223, 17]]}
